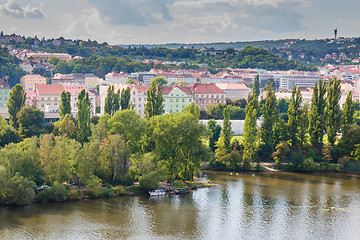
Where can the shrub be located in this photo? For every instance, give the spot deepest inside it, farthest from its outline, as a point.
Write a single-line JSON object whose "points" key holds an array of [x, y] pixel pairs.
{"points": [[74, 195], [307, 165], [149, 181], [57, 193], [120, 190], [93, 185], [352, 166], [107, 192], [17, 191]]}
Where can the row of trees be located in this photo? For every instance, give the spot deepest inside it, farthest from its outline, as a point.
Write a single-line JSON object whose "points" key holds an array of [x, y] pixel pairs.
{"points": [[304, 136], [120, 148]]}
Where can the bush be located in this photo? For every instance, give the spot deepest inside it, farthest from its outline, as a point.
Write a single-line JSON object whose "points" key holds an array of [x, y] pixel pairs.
{"points": [[108, 192], [17, 191], [120, 190], [93, 185], [57, 193], [307, 165], [149, 181], [352, 166], [74, 195]]}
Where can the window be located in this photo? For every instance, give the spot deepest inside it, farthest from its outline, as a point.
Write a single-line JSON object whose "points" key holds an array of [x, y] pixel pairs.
{"points": [[0, 104], [170, 99], [48, 98], [48, 104], [183, 100], [55, 98], [190, 100], [42, 98], [0, 98], [42, 105], [177, 105], [177, 100], [139, 111], [139, 105], [55, 104], [140, 99]]}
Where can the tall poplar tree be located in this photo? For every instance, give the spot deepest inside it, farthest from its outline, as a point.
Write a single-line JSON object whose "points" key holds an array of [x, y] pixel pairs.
{"points": [[333, 110], [65, 105], [226, 130], [125, 99], [294, 114], [109, 100], [250, 131], [270, 114], [84, 109], [154, 105], [347, 117], [317, 116], [15, 103], [214, 132], [256, 89], [116, 103]]}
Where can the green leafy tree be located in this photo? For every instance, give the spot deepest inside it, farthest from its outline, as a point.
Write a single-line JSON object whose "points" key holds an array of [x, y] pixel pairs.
{"points": [[84, 109], [270, 115], [214, 132], [109, 100], [347, 117], [226, 130], [154, 105], [65, 104], [294, 123], [130, 126], [317, 116], [161, 81], [88, 162], [7, 133], [193, 109], [333, 116], [18, 191], [15, 103], [31, 122], [125, 99], [256, 88], [250, 132], [114, 158], [66, 127]]}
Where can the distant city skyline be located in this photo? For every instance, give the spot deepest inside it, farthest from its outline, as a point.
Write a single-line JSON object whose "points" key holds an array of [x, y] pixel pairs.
{"points": [[180, 21]]}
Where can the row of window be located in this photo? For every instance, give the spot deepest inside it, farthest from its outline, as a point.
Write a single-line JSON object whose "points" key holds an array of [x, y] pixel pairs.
{"points": [[210, 101], [177, 100], [5, 98], [209, 96]]}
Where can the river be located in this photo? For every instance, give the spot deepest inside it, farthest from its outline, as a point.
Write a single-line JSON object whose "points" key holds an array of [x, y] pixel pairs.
{"points": [[244, 206]]}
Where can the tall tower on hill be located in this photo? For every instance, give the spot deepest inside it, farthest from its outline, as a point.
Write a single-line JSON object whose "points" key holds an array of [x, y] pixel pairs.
{"points": [[335, 33]]}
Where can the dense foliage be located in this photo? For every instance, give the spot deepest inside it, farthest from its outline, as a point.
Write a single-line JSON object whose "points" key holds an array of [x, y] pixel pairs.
{"points": [[9, 67]]}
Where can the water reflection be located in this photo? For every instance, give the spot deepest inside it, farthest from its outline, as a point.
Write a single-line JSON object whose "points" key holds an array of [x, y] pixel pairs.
{"points": [[243, 206]]}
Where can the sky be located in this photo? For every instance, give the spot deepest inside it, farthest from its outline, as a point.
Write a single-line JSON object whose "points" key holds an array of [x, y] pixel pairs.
{"points": [[180, 21]]}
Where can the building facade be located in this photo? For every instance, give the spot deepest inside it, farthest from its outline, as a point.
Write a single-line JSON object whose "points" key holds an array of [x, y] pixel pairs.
{"points": [[207, 94], [176, 98], [29, 81]]}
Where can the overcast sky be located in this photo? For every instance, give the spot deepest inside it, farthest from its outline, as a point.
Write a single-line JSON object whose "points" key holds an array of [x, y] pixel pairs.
{"points": [[181, 21]]}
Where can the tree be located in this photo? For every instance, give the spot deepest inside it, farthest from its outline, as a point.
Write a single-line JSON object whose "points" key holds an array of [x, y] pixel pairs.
{"points": [[214, 132], [31, 122], [347, 117], [15, 103], [84, 109], [130, 126], [294, 123], [333, 110], [114, 158], [193, 109], [256, 88], [226, 130], [7, 133], [109, 100], [154, 105], [250, 131], [317, 116], [125, 99], [269, 112], [65, 104], [131, 81], [66, 127], [161, 81], [18, 191]]}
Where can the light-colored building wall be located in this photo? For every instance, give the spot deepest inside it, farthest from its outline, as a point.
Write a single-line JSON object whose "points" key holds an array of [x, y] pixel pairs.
{"points": [[91, 81], [176, 100], [29, 81]]}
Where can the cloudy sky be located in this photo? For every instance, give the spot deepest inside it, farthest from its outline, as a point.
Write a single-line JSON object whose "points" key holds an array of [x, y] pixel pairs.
{"points": [[182, 21]]}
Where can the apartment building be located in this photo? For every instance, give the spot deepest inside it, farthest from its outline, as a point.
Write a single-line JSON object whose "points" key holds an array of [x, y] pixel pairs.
{"points": [[29, 81]]}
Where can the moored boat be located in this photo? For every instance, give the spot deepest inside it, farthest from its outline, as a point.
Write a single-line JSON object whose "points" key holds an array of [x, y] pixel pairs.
{"points": [[157, 192], [181, 191]]}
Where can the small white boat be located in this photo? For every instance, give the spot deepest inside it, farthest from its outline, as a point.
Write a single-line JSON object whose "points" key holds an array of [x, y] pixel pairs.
{"points": [[157, 192]]}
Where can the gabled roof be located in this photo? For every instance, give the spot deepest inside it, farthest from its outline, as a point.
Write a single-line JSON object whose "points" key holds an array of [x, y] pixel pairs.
{"points": [[56, 89], [199, 88], [140, 88]]}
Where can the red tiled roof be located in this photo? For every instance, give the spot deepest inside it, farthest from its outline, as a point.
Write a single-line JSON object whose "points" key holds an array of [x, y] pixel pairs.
{"points": [[141, 88], [56, 89], [199, 88], [165, 90]]}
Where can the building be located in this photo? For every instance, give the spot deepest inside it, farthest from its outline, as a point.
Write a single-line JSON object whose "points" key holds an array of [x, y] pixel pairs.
{"points": [[116, 78], [91, 81], [207, 94], [234, 90], [44, 56], [299, 79], [69, 79], [144, 77], [176, 98], [49, 97], [4, 92], [29, 81]]}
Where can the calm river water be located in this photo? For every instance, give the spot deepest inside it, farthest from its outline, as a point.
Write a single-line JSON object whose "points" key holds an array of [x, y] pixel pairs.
{"points": [[243, 206]]}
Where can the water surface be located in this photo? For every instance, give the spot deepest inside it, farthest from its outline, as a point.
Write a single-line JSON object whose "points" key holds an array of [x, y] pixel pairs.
{"points": [[243, 206]]}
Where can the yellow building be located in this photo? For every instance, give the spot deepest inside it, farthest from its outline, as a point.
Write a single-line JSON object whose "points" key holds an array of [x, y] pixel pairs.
{"points": [[29, 81]]}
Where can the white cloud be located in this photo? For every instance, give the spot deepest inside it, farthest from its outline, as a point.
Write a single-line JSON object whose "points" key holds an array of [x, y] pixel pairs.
{"points": [[12, 9]]}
